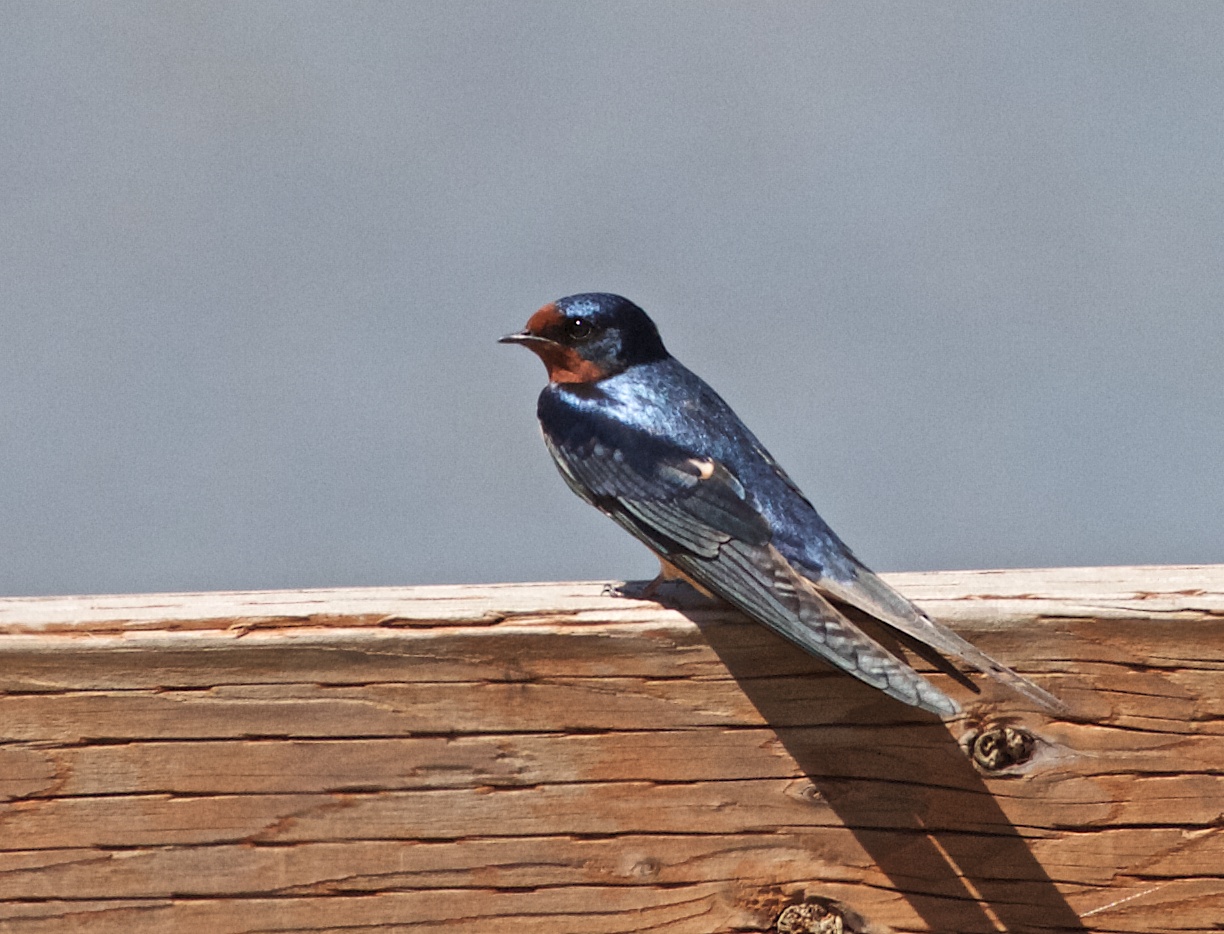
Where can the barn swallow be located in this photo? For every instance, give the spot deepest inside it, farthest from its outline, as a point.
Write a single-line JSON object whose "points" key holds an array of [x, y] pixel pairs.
{"points": [[647, 442]]}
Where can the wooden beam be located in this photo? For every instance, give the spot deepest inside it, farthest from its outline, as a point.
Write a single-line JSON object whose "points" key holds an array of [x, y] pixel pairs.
{"points": [[551, 759]]}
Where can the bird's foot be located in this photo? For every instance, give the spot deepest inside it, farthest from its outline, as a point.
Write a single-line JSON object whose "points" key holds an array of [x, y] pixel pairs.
{"points": [[630, 590], [668, 591]]}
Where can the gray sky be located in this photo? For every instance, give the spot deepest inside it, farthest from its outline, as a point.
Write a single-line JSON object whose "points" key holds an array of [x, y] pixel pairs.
{"points": [[957, 264]]}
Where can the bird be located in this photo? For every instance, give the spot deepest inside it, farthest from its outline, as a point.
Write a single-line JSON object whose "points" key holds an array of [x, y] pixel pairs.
{"points": [[647, 442]]}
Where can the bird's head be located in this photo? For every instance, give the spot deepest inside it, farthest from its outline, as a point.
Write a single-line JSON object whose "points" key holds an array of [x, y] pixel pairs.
{"points": [[589, 337]]}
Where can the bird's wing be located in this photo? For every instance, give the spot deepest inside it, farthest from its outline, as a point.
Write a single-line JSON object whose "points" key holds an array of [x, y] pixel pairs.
{"points": [[868, 593], [694, 512], [862, 589]]}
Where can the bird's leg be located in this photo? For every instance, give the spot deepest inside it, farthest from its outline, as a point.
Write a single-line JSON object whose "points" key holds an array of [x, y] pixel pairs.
{"points": [[668, 573], [651, 590]]}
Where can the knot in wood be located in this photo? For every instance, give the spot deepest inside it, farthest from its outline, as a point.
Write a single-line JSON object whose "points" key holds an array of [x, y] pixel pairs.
{"points": [[811, 917], [645, 869], [1000, 747]]}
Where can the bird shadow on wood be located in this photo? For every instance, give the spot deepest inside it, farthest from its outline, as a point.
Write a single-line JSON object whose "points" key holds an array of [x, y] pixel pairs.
{"points": [[897, 778]]}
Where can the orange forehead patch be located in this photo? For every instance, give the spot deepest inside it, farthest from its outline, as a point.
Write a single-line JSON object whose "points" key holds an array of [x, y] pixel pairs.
{"points": [[546, 319], [565, 364]]}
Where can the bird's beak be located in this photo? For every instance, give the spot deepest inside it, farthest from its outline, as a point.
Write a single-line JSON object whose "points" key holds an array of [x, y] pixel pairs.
{"points": [[522, 337]]}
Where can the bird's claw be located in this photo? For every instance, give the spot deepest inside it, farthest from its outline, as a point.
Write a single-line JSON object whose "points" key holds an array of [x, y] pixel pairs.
{"points": [[629, 590]]}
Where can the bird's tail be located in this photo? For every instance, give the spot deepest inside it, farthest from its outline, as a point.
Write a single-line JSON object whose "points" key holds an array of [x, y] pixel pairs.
{"points": [[872, 596]]}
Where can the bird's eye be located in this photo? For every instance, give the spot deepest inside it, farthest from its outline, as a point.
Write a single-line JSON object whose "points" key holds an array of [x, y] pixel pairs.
{"points": [[578, 329]]}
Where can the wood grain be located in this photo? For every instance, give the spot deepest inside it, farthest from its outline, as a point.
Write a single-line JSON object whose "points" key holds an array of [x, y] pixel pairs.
{"points": [[548, 758]]}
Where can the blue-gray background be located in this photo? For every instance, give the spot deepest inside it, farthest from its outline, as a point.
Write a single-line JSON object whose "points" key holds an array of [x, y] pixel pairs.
{"points": [[958, 265]]}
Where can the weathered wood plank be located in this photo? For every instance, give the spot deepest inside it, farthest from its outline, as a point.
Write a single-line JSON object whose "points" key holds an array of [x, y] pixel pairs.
{"points": [[548, 758], [1168, 908], [994, 598], [356, 866], [589, 808], [516, 760], [478, 866]]}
